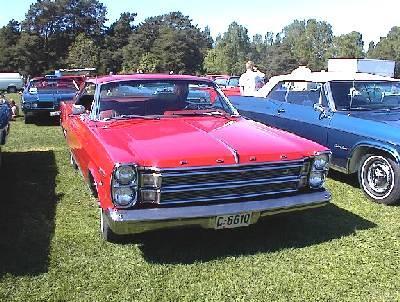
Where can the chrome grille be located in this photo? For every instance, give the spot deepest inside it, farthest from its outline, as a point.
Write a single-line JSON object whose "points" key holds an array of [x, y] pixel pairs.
{"points": [[229, 183]]}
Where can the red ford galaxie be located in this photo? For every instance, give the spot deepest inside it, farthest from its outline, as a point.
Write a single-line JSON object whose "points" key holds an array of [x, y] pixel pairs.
{"points": [[161, 151]]}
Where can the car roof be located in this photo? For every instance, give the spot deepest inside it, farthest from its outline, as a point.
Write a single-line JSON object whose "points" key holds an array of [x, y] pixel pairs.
{"points": [[146, 76], [301, 74]]}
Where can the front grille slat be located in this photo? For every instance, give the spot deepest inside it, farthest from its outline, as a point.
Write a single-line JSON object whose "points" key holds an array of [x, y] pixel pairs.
{"points": [[229, 183]]}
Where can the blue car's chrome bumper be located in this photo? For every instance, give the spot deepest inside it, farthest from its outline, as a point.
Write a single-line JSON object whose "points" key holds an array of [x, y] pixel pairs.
{"points": [[142, 220]]}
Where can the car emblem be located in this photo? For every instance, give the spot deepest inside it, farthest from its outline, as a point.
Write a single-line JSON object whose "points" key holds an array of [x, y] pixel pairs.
{"points": [[283, 156], [219, 161]]}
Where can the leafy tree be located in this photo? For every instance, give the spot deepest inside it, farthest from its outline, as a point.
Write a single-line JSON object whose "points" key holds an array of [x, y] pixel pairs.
{"points": [[117, 37], [158, 35], [309, 42], [30, 62], [9, 36], [83, 53], [231, 51], [347, 46], [388, 48]]}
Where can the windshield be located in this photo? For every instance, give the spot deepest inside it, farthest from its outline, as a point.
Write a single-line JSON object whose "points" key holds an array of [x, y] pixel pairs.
{"points": [[366, 95], [136, 98], [221, 81], [67, 85]]}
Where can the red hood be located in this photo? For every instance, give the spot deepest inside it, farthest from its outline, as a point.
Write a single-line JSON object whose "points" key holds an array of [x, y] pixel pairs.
{"points": [[199, 141]]}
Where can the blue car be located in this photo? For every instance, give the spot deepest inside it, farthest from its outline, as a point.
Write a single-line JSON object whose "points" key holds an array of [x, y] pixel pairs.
{"points": [[5, 116], [356, 115], [42, 96]]}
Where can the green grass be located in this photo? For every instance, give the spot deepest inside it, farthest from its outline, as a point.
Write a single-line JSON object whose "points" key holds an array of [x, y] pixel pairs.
{"points": [[50, 249]]}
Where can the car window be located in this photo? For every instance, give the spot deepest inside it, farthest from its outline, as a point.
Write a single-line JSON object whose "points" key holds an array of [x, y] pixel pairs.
{"points": [[368, 95], [155, 97], [299, 93], [233, 82]]}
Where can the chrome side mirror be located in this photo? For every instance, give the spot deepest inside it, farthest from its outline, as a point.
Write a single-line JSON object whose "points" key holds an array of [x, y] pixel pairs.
{"points": [[78, 109], [322, 111]]}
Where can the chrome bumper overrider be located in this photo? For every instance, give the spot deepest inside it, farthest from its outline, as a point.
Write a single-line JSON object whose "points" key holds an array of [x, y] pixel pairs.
{"points": [[142, 220]]}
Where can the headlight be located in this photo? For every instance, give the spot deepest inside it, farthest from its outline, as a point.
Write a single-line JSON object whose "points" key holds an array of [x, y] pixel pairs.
{"points": [[321, 161], [316, 179], [125, 175], [124, 196], [27, 105], [34, 105]]}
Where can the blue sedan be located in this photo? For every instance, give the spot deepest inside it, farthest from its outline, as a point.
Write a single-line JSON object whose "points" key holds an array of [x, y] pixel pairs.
{"points": [[356, 115]]}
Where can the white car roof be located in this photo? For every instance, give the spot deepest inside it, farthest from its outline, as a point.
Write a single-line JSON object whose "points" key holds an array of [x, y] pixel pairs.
{"points": [[303, 74]]}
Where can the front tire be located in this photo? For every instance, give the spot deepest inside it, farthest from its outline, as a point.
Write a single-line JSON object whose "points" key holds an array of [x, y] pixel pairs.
{"points": [[379, 177]]}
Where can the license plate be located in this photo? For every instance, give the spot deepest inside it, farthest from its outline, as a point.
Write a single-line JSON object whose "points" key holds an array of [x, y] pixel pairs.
{"points": [[55, 113], [232, 221]]}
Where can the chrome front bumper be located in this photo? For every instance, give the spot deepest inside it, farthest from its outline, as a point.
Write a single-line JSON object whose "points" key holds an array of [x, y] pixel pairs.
{"points": [[143, 220]]}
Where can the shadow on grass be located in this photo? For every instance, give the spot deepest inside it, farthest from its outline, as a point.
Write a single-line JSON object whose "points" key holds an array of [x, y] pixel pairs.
{"points": [[28, 202], [349, 179], [44, 120], [295, 230]]}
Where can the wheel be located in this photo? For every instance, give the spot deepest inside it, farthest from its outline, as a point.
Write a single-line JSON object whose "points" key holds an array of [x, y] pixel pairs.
{"points": [[12, 89], [106, 233], [28, 119], [72, 162], [379, 177]]}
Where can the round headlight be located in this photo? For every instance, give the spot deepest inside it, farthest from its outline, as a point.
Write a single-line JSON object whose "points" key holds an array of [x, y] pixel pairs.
{"points": [[124, 196], [34, 105], [321, 161], [125, 175], [316, 179]]}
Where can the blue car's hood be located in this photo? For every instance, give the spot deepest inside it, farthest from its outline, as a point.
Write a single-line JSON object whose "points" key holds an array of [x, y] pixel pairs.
{"points": [[5, 115], [47, 96], [391, 118]]}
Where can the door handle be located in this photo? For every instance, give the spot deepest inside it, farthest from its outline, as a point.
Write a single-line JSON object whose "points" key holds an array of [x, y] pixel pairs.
{"points": [[281, 110]]}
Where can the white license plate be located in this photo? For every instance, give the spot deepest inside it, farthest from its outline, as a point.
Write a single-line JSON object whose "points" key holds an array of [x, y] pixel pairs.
{"points": [[232, 221], [55, 113]]}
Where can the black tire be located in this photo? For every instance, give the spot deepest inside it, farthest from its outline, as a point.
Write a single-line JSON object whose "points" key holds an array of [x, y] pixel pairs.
{"points": [[106, 233], [12, 89], [28, 119], [379, 178]]}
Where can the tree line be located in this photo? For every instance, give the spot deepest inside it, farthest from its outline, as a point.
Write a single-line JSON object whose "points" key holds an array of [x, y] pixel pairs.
{"points": [[73, 33]]}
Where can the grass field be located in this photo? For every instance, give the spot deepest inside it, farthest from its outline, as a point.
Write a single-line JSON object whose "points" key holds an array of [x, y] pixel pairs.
{"points": [[50, 248]]}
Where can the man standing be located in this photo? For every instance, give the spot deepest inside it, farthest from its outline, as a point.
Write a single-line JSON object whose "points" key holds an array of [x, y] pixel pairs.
{"points": [[251, 80]]}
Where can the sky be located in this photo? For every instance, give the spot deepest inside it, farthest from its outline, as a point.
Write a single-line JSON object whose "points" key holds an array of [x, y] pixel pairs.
{"points": [[372, 18]]}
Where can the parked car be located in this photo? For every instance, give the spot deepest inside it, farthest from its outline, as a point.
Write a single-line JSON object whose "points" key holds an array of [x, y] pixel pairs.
{"points": [[11, 82], [356, 115], [5, 116], [43, 95], [162, 151], [229, 85]]}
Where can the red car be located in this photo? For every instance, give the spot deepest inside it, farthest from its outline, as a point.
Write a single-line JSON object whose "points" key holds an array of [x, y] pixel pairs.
{"points": [[162, 151]]}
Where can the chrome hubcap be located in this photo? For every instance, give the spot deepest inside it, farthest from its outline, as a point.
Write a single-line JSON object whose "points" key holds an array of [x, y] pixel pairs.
{"points": [[379, 177]]}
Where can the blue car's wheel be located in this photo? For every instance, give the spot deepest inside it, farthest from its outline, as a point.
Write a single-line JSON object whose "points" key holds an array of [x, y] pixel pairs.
{"points": [[379, 178]]}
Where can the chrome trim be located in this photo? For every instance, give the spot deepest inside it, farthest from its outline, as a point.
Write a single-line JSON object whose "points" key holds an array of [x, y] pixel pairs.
{"points": [[142, 220]]}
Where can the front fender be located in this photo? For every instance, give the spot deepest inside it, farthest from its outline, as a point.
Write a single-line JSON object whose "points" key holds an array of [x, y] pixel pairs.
{"points": [[364, 147]]}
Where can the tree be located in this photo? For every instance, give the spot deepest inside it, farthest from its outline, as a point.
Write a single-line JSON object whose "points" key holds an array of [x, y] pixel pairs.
{"points": [[174, 42], [83, 53], [309, 41], [117, 37], [231, 51], [9, 36], [347, 46], [388, 48]]}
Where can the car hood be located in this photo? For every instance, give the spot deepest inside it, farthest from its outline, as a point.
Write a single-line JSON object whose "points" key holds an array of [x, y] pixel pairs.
{"points": [[46, 96], [391, 118], [200, 141]]}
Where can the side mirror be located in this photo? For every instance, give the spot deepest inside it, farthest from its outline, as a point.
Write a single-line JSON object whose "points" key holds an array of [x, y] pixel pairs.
{"points": [[319, 107], [322, 111], [78, 109]]}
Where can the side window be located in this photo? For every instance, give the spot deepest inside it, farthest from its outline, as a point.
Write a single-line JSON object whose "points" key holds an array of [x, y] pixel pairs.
{"points": [[278, 93], [86, 97], [303, 93]]}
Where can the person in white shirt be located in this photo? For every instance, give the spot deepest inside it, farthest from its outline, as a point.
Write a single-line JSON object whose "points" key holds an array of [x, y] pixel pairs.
{"points": [[251, 80]]}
